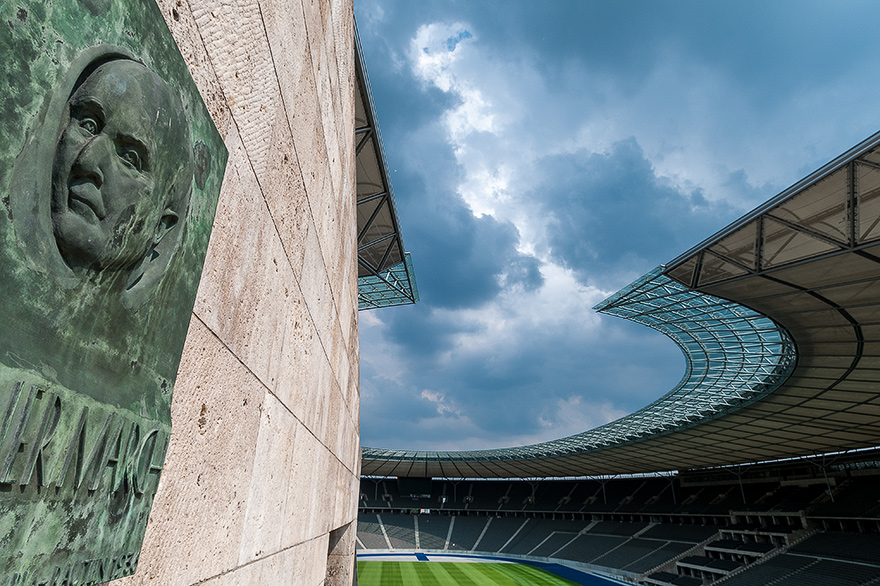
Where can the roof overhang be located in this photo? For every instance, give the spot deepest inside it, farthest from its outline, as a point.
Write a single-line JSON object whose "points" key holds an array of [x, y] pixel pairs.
{"points": [[808, 260], [385, 273]]}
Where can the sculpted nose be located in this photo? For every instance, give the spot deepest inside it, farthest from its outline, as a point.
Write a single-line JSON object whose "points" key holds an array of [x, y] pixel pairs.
{"points": [[88, 163]]}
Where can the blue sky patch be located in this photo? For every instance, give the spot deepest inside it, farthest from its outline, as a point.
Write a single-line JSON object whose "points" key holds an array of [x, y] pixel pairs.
{"points": [[573, 147]]}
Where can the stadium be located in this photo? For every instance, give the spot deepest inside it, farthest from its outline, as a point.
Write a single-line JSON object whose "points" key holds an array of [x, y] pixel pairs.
{"points": [[759, 467]]}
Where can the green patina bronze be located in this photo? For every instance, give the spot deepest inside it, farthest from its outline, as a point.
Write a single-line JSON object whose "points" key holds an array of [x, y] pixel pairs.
{"points": [[110, 169]]}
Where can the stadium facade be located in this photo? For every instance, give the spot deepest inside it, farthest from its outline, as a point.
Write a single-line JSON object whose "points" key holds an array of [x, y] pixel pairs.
{"points": [[261, 478], [260, 483]]}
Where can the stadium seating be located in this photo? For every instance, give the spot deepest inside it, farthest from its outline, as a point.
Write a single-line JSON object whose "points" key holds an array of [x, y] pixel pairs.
{"points": [[537, 531], [853, 547], [502, 529], [369, 532], [587, 548], [677, 530], [656, 558], [688, 533], [400, 530], [466, 531], [433, 530], [854, 499]]}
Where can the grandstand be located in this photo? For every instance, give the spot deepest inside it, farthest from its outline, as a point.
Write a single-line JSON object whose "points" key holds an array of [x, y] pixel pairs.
{"points": [[759, 467], [682, 529]]}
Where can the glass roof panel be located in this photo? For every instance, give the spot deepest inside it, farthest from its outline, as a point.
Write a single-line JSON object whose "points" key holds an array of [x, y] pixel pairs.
{"points": [[739, 246], [395, 286], [868, 181], [783, 244], [821, 207], [722, 372]]}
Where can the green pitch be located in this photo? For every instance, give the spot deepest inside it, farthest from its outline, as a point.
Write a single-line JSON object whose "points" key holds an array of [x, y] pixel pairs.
{"points": [[454, 574]]}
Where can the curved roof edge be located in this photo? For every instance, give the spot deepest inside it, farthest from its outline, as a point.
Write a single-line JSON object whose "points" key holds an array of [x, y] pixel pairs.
{"points": [[810, 259], [735, 356]]}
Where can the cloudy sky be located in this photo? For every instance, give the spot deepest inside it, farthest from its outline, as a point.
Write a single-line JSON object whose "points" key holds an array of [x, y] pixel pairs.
{"points": [[545, 154]]}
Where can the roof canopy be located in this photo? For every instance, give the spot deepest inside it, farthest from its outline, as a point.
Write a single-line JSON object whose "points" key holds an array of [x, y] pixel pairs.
{"points": [[385, 273], [788, 365]]}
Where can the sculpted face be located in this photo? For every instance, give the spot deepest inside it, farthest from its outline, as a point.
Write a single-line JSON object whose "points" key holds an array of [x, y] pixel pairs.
{"points": [[120, 148]]}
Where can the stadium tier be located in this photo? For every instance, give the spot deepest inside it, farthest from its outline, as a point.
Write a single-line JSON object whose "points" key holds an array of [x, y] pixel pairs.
{"points": [[798, 521]]}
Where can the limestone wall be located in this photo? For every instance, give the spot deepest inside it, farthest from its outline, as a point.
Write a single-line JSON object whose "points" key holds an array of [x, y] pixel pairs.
{"points": [[261, 477]]}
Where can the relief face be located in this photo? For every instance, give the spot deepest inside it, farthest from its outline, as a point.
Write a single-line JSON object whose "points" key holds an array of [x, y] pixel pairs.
{"points": [[113, 192], [110, 170], [99, 204]]}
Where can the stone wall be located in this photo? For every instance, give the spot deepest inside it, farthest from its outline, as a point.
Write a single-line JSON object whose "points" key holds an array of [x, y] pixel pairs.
{"points": [[261, 477]]}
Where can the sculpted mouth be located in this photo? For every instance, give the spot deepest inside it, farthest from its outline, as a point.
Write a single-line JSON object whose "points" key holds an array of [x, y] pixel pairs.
{"points": [[85, 197]]}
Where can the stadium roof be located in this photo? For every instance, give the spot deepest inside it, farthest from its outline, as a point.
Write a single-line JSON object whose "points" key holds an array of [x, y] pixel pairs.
{"points": [[788, 366], [385, 272]]}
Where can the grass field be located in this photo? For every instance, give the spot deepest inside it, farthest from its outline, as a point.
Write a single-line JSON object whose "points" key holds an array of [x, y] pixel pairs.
{"points": [[454, 574]]}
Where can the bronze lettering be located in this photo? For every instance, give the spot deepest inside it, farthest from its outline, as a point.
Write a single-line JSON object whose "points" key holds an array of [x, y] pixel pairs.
{"points": [[51, 415], [75, 451], [14, 445], [17, 579], [56, 579], [82, 575], [129, 456], [94, 464], [121, 483], [130, 459], [142, 467], [10, 409], [117, 456], [81, 572], [110, 442]]}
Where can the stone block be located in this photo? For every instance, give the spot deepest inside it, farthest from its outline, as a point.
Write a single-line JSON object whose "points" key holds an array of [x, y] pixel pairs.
{"points": [[317, 414], [342, 15], [353, 390], [266, 515], [311, 574], [285, 195], [305, 376], [347, 490], [353, 331], [183, 27], [235, 40], [316, 290], [286, 35], [347, 299], [199, 510], [337, 407], [303, 112], [249, 575], [294, 377], [247, 279], [341, 364], [307, 476]]}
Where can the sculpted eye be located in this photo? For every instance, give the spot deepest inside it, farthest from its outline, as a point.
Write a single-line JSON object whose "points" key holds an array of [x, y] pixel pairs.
{"points": [[89, 124], [132, 158]]}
